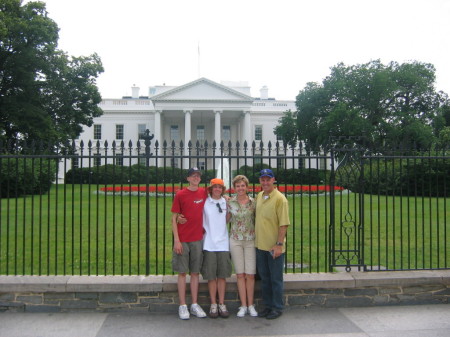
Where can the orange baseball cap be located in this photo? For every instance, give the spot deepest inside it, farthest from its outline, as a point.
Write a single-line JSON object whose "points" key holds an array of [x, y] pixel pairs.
{"points": [[216, 181]]}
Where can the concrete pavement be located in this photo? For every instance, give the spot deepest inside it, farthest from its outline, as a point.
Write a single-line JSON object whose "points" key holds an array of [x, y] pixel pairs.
{"points": [[404, 321]]}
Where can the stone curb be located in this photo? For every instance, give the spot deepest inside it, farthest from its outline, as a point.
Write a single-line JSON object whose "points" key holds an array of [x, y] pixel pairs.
{"points": [[168, 283]]}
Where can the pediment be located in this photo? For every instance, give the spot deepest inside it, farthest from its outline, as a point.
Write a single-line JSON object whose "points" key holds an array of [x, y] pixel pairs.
{"points": [[202, 90]]}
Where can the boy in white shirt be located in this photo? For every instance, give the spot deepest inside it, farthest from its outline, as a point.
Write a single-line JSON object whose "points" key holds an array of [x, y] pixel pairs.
{"points": [[216, 252]]}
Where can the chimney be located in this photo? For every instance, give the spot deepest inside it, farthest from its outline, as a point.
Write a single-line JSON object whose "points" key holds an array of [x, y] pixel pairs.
{"points": [[134, 91], [264, 91]]}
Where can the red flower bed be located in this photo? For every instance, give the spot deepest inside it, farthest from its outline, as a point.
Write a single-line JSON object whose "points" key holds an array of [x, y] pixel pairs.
{"points": [[174, 189]]}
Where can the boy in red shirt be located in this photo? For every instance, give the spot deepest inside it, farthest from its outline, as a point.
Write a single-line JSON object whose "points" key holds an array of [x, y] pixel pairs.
{"points": [[188, 240]]}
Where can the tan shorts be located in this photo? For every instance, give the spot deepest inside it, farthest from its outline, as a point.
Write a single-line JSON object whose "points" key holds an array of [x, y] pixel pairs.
{"points": [[243, 255], [191, 259]]}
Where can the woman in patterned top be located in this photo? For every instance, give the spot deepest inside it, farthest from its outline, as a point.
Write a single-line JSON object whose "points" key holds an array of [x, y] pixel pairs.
{"points": [[241, 208]]}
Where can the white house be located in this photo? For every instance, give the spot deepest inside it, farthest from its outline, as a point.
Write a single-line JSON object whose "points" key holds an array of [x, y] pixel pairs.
{"points": [[196, 111]]}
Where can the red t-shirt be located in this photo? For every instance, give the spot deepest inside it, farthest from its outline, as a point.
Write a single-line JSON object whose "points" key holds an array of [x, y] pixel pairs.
{"points": [[190, 204]]}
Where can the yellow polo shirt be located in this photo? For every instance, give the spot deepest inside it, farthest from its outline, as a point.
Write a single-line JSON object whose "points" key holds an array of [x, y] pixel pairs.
{"points": [[271, 213]]}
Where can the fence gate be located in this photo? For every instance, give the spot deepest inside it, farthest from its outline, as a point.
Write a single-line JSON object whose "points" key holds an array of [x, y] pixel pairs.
{"points": [[347, 212]]}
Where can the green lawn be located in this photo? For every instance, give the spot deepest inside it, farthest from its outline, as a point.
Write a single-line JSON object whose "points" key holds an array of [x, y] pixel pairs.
{"points": [[74, 230]]}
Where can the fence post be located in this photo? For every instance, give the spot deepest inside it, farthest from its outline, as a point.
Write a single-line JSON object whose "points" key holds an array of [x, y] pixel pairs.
{"points": [[148, 154], [331, 230]]}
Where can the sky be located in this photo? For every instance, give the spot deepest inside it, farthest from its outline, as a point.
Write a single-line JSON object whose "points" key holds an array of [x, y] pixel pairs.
{"points": [[281, 44]]}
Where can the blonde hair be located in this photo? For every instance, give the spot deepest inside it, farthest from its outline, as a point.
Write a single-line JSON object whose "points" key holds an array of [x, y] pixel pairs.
{"points": [[240, 178]]}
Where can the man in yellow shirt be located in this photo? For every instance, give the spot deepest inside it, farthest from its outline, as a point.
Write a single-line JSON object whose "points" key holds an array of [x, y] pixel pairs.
{"points": [[271, 222]]}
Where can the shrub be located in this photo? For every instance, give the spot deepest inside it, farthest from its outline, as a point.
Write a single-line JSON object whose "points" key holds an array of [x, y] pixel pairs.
{"points": [[26, 176], [139, 174], [398, 177]]}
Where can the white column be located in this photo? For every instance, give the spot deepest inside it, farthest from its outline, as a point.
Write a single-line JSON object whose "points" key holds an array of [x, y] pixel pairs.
{"points": [[217, 127], [187, 135], [247, 128], [157, 127], [157, 132]]}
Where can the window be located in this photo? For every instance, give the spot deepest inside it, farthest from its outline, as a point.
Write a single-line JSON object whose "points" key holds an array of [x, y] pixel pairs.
{"points": [[226, 133], [257, 160], [280, 162], [119, 160], [119, 131], [301, 162], [97, 131], [200, 132], [174, 132], [201, 165], [141, 130], [322, 163], [258, 132], [142, 160], [75, 162], [97, 159], [174, 161]]}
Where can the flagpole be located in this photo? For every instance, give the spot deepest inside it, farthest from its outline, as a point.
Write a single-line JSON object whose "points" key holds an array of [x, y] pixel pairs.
{"points": [[198, 60]]}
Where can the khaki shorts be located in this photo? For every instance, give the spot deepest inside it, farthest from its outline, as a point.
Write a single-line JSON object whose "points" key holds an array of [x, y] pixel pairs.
{"points": [[191, 259], [216, 265], [243, 254]]}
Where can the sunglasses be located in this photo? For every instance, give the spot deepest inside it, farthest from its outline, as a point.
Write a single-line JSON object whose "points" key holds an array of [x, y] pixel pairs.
{"points": [[220, 208]]}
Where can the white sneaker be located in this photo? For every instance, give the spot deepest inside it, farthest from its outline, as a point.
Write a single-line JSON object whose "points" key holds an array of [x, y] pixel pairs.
{"points": [[197, 310], [183, 312], [242, 311], [252, 311], [213, 311]]}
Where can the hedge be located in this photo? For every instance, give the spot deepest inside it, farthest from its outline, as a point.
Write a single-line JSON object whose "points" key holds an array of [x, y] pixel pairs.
{"points": [[429, 177], [139, 174], [24, 176]]}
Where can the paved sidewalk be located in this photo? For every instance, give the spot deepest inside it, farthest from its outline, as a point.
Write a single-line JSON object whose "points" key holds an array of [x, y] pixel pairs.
{"points": [[404, 321]]}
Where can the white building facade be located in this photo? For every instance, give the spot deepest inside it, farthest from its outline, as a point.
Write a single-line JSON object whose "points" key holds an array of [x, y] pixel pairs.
{"points": [[202, 110]]}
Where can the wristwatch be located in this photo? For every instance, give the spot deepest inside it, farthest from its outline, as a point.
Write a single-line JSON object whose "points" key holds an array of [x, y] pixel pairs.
{"points": [[279, 243]]}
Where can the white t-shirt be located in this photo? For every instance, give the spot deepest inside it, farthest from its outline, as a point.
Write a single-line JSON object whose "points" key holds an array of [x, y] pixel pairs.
{"points": [[215, 238]]}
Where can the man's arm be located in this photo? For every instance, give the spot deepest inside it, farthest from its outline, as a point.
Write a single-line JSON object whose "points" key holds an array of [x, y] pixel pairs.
{"points": [[177, 246], [278, 250]]}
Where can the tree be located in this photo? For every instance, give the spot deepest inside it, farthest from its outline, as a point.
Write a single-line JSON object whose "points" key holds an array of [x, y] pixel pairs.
{"points": [[44, 93], [287, 127], [383, 105]]}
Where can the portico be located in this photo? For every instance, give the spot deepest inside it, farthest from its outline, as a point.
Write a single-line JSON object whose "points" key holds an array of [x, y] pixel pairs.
{"points": [[203, 110]]}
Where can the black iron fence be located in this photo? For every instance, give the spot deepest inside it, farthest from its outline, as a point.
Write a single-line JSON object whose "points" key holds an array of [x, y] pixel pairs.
{"points": [[104, 209]]}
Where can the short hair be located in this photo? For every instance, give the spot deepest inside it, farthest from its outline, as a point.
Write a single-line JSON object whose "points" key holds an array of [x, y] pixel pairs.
{"points": [[209, 188], [240, 178]]}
